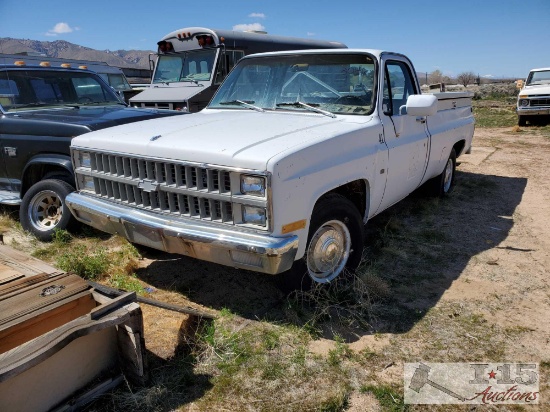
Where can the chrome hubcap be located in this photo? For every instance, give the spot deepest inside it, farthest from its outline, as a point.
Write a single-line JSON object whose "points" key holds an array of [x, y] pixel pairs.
{"points": [[328, 251], [46, 210]]}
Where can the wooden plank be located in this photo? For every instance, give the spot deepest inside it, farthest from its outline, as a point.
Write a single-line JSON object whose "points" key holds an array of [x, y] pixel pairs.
{"points": [[23, 263], [37, 323], [30, 354], [20, 285], [8, 274], [176, 308], [39, 297]]}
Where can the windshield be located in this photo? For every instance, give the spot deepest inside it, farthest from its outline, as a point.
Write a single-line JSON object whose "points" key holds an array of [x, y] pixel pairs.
{"points": [[542, 77], [321, 83], [27, 89], [188, 66]]}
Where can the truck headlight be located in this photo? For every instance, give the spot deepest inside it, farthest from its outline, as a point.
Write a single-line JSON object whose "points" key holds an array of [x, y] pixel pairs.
{"points": [[253, 185], [254, 215], [84, 159], [524, 102]]}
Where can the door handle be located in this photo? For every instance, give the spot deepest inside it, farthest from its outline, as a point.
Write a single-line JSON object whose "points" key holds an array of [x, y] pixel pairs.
{"points": [[421, 119]]}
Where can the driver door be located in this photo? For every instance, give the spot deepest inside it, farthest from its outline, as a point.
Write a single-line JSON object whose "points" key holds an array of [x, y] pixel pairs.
{"points": [[406, 136]]}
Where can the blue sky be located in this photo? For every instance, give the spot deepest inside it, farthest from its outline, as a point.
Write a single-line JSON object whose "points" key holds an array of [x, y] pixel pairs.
{"points": [[493, 38]]}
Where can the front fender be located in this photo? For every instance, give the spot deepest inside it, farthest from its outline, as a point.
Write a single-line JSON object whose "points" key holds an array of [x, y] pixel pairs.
{"points": [[46, 162]]}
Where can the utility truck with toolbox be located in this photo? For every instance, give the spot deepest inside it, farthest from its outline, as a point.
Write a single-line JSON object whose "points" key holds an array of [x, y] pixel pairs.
{"points": [[279, 174], [41, 109]]}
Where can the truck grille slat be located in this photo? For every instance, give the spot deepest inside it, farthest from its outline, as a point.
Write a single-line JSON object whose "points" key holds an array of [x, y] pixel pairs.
{"points": [[121, 179]]}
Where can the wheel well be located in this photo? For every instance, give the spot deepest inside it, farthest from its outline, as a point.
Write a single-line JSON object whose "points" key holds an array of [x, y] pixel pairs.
{"points": [[38, 172], [356, 192], [459, 146]]}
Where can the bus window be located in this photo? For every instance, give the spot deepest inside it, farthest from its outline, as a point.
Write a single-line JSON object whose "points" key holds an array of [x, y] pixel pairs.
{"points": [[187, 66], [231, 59]]}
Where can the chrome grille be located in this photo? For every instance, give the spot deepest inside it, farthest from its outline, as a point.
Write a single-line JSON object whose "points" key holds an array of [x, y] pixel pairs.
{"points": [[177, 189], [540, 102]]}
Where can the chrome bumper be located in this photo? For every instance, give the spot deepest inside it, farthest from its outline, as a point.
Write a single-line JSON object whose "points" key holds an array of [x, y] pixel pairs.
{"points": [[540, 111], [226, 246]]}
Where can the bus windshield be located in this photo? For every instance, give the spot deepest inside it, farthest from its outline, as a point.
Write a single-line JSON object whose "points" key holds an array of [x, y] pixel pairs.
{"points": [[324, 83], [188, 66]]}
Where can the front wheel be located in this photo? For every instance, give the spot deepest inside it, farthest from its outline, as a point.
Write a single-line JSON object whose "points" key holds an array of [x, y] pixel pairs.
{"points": [[334, 247], [43, 208], [522, 121]]}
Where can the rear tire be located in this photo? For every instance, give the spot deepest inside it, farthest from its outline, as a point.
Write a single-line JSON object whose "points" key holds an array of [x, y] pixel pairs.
{"points": [[334, 247], [443, 184], [43, 209]]}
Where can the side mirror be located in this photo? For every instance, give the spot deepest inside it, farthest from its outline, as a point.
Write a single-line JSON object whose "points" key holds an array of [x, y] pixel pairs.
{"points": [[421, 105]]}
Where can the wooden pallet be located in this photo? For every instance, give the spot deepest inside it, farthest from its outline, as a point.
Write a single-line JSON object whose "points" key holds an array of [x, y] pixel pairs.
{"points": [[61, 340]]}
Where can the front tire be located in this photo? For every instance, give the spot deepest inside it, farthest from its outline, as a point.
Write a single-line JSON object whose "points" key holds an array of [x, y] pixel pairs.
{"points": [[522, 121], [43, 209], [334, 247]]}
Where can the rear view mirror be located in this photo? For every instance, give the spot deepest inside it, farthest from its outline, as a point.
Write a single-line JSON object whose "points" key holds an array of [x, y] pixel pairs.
{"points": [[422, 105]]}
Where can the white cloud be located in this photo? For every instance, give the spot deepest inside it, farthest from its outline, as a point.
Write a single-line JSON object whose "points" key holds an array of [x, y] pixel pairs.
{"points": [[61, 28], [257, 15], [249, 27], [310, 33], [488, 76]]}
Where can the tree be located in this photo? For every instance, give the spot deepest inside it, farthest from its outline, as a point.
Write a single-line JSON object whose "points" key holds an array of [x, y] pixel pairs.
{"points": [[466, 78], [435, 77]]}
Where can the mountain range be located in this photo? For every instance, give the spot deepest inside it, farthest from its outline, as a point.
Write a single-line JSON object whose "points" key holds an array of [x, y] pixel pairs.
{"points": [[138, 59]]}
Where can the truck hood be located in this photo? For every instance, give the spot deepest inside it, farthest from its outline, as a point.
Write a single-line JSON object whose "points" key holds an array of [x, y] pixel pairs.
{"points": [[543, 89], [234, 138], [168, 93], [93, 117]]}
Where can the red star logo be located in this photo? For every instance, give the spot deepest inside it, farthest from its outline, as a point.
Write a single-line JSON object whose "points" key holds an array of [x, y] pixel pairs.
{"points": [[492, 374]]}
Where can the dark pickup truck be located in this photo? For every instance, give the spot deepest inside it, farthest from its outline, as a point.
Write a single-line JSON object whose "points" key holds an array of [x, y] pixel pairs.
{"points": [[41, 110]]}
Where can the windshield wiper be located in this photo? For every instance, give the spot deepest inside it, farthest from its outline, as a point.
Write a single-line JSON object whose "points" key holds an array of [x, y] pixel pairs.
{"points": [[307, 106], [248, 104]]}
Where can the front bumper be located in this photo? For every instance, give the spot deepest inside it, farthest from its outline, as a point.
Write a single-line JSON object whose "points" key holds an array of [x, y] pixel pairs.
{"points": [[226, 246], [535, 111]]}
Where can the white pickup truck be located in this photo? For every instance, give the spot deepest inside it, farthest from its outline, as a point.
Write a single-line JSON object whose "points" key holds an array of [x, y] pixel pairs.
{"points": [[534, 97], [293, 155]]}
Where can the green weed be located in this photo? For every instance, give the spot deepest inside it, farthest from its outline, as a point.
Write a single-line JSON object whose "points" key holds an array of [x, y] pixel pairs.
{"points": [[389, 399], [88, 265], [126, 282]]}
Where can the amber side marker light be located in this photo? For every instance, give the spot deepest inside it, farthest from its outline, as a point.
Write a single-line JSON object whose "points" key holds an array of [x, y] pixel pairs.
{"points": [[66, 65], [19, 63], [83, 67], [291, 227], [45, 64]]}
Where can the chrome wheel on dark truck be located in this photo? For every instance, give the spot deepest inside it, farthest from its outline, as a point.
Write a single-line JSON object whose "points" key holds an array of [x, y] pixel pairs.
{"points": [[43, 208]]}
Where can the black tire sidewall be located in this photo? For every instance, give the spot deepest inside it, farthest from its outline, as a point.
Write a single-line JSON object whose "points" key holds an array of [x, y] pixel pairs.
{"points": [[61, 189], [332, 207], [438, 183]]}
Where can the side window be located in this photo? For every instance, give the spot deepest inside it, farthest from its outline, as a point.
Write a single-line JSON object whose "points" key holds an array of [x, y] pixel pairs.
{"points": [[9, 94], [398, 85], [88, 90]]}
